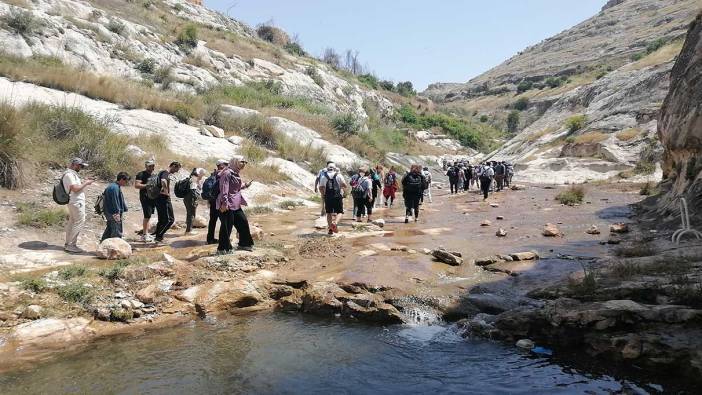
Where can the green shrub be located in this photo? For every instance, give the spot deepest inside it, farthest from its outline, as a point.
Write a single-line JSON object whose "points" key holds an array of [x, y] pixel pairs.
{"points": [[147, 66], [648, 158], [483, 118], [75, 292], [387, 85], [637, 56], [187, 38], [369, 80], [22, 22], [256, 127], [575, 123], [30, 214], [272, 34], [253, 152], [183, 112], [405, 89], [315, 198], [115, 271], [513, 122], [524, 86], [312, 72], [346, 124], [521, 104], [11, 147], [407, 115], [258, 210], [555, 82], [295, 49], [116, 26], [571, 196], [654, 46], [69, 272], [35, 285]]}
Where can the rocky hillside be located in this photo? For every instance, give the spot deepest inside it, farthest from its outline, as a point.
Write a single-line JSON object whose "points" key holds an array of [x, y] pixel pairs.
{"points": [[583, 104]]}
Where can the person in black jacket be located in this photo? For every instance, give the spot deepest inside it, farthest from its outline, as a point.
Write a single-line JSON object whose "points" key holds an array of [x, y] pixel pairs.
{"points": [[114, 207], [413, 184]]}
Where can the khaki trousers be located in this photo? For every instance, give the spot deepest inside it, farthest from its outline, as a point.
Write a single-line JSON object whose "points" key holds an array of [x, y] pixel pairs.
{"points": [[76, 222]]}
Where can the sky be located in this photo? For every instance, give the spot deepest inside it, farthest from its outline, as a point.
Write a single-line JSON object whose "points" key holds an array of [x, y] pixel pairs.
{"points": [[417, 40]]}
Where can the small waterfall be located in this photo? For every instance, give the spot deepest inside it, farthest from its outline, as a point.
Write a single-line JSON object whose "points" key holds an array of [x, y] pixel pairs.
{"points": [[418, 311]]}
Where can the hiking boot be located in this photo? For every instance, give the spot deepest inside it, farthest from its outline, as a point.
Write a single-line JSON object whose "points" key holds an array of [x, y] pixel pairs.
{"points": [[73, 250], [406, 220], [215, 241]]}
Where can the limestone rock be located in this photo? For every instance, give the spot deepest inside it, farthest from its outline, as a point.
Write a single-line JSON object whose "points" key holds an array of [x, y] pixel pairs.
{"points": [[593, 230], [525, 344], [447, 257], [200, 222], [551, 230], [487, 260], [320, 223], [114, 248], [524, 256], [256, 233], [485, 223], [501, 233], [32, 312], [149, 293], [619, 227], [379, 222], [52, 331]]}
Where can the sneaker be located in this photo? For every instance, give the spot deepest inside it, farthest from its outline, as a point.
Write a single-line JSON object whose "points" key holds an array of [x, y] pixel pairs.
{"points": [[331, 232], [73, 250], [406, 220], [335, 228], [159, 242], [192, 233], [223, 252], [249, 249], [416, 219], [147, 238]]}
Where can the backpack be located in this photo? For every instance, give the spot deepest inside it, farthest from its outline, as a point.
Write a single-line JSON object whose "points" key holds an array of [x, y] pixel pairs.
{"points": [[60, 195], [357, 190], [452, 173], [354, 180], [332, 188], [182, 188], [153, 187], [210, 188], [484, 175], [390, 180], [500, 169], [100, 204], [414, 183]]}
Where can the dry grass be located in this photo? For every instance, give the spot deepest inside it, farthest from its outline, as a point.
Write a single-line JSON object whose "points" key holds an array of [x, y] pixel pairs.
{"points": [[665, 54], [591, 138], [628, 134], [541, 133], [572, 196], [264, 174]]}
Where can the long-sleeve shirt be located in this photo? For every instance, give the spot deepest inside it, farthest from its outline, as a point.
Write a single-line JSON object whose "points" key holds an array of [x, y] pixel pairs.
{"points": [[114, 200], [230, 190]]}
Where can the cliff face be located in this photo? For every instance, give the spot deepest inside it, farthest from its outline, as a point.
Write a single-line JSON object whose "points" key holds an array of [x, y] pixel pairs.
{"points": [[680, 127]]}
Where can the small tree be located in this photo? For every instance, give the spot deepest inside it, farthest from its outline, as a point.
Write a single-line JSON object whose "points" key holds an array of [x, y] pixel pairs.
{"points": [[369, 80], [272, 34], [406, 89], [524, 86], [521, 104], [346, 124], [576, 122], [513, 122], [387, 85]]}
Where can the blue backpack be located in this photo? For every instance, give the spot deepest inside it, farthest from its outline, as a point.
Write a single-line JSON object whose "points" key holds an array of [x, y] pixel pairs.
{"points": [[210, 188]]}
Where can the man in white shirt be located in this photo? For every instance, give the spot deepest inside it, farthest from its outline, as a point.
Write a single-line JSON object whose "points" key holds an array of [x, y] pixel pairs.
{"points": [[332, 186], [76, 204], [316, 186]]}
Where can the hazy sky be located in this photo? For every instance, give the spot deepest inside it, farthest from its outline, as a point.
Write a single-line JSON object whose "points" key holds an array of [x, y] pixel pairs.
{"points": [[418, 40]]}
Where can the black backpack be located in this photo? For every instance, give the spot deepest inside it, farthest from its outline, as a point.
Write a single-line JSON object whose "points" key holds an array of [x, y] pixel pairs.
{"points": [[210, 188], [182, 188], [100, 204], [332, 188], [453, 173], [59, 193], [414, 183]]}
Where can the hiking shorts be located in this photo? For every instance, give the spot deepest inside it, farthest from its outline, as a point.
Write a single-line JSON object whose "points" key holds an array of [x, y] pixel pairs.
{"points": [[389, 192], [148, 206], [334, 205]]}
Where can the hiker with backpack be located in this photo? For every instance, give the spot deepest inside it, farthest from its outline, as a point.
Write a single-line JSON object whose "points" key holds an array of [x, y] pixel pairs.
{"points": [[114, 206], [316, 185], [164, 207], [229, 204], [148, 205], [390, 185], [427, 191], [332, 186], [486, 176], [500, 172], [210, 192], [353, 181], [363, 195], [70, 190], [412, 189], [510, 174], [190, 189], [452, 174], [377, 185], [468, 170]]}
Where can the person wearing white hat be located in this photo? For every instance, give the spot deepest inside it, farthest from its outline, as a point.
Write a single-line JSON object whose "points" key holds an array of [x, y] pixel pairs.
{"points": [[332, 186], [76, 204]]}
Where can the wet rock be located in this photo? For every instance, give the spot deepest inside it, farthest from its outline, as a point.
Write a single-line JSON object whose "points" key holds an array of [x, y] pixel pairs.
{"points": [[426, 251], [320, 223], [200, 222], [279, 291], [321, 299], [500, 217], [551, 230], [491, 303], [149, 293], [32, 312], [102, 314], [52, 331], [525, 344], [524, 256], [506, 258], [292, 302], [619, 227], [593, 230], [487, 260], [379, 222], [516, 187], [114, 248], [447, 257], [501, 233], [614, 239], [485, 223]]}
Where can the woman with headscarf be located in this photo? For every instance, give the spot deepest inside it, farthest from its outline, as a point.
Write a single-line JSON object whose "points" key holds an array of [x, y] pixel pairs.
{"points": [[191, 199], [229, 204]]}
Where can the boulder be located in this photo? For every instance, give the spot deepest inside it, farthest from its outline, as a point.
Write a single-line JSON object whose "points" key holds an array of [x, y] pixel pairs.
{"points": [[619, 227], [214, 131], [524, 256], [487, 260], [501, 233], [256, 233], [593, 230], [379, 222], [52, 331], [149, 294], [525, 344], [320, 223], [485, 223], [200, 222], [114, 248], [551, 230], [447, 257], [32, 312]]}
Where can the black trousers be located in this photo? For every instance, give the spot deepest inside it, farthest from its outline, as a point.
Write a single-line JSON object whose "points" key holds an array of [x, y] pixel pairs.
{"points": [[212, 225], [113, 229], [454, 186], [485, 186], [363, 206], [191, 202], [412, 203], [166, 218], [234, 219]]}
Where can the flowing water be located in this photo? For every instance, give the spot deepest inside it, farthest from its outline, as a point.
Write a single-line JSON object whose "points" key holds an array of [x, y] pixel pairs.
{"points": [[279, 353]]}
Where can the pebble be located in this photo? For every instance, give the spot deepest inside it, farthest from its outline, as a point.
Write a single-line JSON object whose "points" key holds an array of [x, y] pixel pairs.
{"points": [[525, 344]]}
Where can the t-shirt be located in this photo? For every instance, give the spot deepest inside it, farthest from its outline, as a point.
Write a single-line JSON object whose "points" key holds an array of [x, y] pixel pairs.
{"points": [[163, 175], [339, 178], [143, 176], [71, 178]]}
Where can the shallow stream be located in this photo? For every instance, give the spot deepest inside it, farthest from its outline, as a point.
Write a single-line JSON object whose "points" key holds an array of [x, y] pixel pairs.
{"points": [[280, 353]]}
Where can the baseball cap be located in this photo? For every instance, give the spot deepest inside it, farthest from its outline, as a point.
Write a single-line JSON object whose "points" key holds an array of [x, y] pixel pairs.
{"points": [[150, 162], [79, 161], [222, 162]]}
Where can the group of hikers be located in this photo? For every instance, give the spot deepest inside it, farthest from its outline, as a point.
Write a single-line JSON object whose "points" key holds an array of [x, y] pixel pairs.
{"points": [[370, 188], [488, 176], [221, 189]]}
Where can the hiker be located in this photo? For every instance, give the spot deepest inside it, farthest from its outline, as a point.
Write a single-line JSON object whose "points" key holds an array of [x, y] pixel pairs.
{"points": [[192, 197], [510, 174], [486, 176], [412, 189], [468, 176], [164, 207], [114, 207], [377, 177], [210, 192], [461, 178], [362, 195], [353, 181], [500, 172], [475, 175], [147, 205], [332, 186], [76, 203], [390, 186], [452, 174], [316, 185], [427, 177], [229, 204]]}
